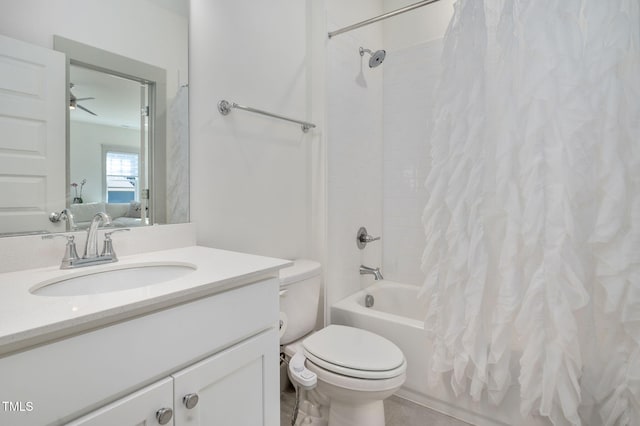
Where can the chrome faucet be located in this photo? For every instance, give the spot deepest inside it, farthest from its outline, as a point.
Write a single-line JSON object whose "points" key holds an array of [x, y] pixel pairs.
{"points": [[71, 259], [67, 216], [91, 245], [364, 270]]}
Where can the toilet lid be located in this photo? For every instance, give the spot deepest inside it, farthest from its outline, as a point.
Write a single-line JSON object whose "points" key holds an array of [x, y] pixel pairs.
{"points": [[299, 271], [354, 352]]}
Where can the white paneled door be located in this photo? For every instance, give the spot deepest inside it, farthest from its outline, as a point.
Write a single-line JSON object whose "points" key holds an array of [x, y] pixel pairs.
{"points": [[32, 136]]}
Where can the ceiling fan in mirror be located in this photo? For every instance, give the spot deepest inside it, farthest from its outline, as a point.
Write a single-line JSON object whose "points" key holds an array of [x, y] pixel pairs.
{"points": [[73, 101]]}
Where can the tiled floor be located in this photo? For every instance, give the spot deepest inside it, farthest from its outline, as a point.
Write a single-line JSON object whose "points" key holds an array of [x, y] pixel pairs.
{"points": [[398, 412]]}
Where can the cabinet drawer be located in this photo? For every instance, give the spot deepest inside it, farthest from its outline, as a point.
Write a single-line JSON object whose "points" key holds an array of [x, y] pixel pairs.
{"points": [[139, 408]]}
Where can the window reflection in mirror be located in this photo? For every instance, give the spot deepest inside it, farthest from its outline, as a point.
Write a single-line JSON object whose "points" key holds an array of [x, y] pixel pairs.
{"points": [[122, 176]]}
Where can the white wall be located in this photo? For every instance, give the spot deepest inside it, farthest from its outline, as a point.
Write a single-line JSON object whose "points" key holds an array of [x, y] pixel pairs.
{"points": [[354, 147], [250, 174], [137, 29], [259, 185], [86, 154]]}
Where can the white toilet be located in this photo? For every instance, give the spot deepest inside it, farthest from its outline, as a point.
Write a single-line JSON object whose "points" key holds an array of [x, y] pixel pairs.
{"points": [[351, 370]]}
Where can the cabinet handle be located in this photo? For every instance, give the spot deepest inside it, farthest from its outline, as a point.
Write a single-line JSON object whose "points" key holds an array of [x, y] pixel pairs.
{"points": [[164, 415], [190, 400]]}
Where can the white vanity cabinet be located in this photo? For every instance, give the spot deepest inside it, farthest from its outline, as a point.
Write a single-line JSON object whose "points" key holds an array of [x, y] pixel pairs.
{"points": [[140, 408], [222, 347], [229, 388]]}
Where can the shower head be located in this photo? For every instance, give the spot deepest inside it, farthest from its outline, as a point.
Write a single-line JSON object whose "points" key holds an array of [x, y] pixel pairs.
{"points": [[376, 57]]}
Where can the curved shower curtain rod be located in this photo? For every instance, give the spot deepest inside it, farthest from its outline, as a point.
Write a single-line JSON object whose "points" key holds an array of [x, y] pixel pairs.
{"points": [[381, 17]]}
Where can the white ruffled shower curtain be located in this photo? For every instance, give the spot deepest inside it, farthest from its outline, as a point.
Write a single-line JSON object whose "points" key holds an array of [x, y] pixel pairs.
{"points": [[533, 212]]}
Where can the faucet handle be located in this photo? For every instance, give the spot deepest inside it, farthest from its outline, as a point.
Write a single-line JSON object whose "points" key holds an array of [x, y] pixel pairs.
{"points": [[55, 217], [107, 248], [66, 215], [107, 235], [70, 252], [368, 238]]}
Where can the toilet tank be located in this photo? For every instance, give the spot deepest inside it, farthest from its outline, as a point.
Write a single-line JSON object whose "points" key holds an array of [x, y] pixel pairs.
{"points": [[299, 297]]}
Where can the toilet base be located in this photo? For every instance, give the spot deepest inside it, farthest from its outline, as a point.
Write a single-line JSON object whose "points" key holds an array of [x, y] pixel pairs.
{"points": [[311, 414], [317, 410], [366, 414]]}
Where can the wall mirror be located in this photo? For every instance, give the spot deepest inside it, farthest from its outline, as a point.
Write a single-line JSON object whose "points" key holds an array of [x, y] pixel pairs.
{"points": [[126, 108]]}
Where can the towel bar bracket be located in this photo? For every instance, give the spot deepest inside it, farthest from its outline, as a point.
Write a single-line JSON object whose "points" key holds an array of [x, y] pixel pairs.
{"points": [[224, 107]]}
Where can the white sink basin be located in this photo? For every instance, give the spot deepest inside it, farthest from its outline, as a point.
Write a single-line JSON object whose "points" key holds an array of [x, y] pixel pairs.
{"points": [[116, 278]]}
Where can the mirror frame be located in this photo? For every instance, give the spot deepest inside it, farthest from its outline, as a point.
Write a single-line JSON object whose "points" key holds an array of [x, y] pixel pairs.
{"points": [[111, 63]]}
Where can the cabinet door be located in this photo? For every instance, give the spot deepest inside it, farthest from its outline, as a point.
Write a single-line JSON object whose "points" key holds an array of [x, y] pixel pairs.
{"points": [[237, 387], [137, 409]]}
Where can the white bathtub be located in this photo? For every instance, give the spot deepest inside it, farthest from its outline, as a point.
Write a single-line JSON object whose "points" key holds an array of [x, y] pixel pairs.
{"points": [[397, 314]]}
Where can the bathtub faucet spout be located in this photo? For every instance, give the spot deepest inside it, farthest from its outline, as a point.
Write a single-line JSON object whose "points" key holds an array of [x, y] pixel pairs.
{"points": [[377, 275]]}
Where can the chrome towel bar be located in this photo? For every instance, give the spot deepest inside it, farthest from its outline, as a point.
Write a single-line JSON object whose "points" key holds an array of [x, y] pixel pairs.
{"points": [[225, 108]]}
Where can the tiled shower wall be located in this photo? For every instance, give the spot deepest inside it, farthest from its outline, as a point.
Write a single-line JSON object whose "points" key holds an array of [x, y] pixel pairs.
{"points": [[354, 148], [410, 79]]}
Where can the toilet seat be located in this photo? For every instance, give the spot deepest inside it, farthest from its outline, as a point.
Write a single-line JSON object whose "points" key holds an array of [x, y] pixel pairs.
{"points": [[354, 352], [364, 387]]}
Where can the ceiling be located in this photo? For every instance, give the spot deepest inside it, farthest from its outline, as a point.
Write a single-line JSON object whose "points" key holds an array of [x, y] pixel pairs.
{"points": [[116, 103]]}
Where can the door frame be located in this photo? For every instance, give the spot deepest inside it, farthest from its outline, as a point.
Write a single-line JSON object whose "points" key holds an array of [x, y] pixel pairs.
{"points": [[156, 79]]}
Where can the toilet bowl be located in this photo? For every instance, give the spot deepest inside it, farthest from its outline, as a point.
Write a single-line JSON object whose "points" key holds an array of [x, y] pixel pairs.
{"points": [[351, 370]]}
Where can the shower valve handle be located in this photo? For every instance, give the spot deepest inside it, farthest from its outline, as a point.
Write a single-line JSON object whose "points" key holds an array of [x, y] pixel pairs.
{"points": [[363, 238]]}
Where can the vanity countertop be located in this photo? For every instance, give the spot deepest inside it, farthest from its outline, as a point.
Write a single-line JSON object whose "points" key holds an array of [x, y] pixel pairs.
{"points": [[27, 319]]}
